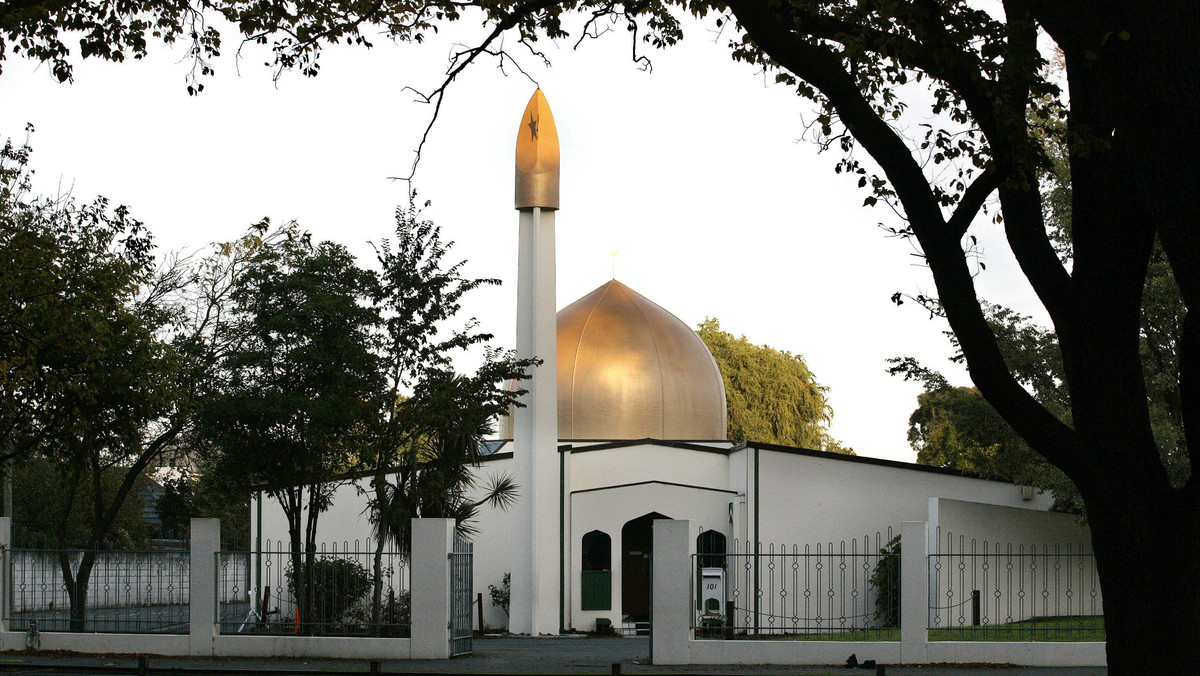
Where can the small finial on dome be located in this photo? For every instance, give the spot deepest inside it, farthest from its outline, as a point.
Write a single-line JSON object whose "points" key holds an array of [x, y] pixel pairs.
{"points": [[614, 263]]}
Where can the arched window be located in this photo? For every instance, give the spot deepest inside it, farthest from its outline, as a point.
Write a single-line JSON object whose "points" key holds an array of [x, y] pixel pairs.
{"points": [[595, 571], [597, 551], [710, 549]]}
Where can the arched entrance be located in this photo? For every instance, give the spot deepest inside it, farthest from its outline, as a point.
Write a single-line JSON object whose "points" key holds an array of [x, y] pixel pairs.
{"points": [[637, 544]]}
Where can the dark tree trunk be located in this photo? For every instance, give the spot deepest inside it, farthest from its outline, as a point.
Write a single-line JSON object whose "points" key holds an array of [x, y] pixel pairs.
{"points": [[1148, 560], [311, 612], [76, 597], [292, 501], [379, 483], [82, 580], [1136, 178]]}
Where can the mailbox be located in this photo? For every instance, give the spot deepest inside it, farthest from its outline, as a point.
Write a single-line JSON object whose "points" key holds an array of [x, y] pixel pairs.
{"points": [[712, 592]]}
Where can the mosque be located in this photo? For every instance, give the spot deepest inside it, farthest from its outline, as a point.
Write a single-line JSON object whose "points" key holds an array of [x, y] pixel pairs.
{"points": [[625, 423]]}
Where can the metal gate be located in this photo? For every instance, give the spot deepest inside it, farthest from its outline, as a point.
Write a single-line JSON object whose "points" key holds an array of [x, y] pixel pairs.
{"points": [[462, 586]]}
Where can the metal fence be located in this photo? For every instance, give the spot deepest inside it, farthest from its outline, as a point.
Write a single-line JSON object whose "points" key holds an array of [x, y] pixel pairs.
{"points": [[125, 591], [849, 590], [462, 586], [988, 591], [331, 592]]}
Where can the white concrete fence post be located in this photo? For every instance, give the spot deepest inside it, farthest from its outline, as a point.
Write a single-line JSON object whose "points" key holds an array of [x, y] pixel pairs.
{"points": [[5, 582], [432, 544], [202, 598], [914, 592], [671, 610]]}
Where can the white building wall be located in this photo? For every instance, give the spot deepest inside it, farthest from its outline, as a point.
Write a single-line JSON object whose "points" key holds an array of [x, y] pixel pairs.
{"points": [[346, 522], [1023, 563], [634, 464], [963, 521], [493, 544], [807, 500]]}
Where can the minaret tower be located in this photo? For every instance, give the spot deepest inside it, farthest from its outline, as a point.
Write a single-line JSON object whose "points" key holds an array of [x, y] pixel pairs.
{"points": [[535, 583]]}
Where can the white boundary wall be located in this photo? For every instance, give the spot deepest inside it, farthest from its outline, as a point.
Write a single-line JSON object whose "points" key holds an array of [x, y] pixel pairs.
{"points": [[672, 641], [433, 541]]}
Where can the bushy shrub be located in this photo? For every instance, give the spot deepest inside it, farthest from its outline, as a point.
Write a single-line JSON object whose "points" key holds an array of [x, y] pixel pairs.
{"points": [[500, 594], [886, 581], [395, 614], [328, 588]]}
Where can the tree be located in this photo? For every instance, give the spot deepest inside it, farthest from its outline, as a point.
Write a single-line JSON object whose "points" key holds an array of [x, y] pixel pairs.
{"points": [[428, 440], [94, 381], [1131, 121], [41, 489], [187, 495], [104, 351], [770, 395], [74, 272], [294, 399], [955, 427]]}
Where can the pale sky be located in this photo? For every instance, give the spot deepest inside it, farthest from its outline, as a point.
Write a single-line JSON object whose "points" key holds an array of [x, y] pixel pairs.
{"points": [[695, 173]]}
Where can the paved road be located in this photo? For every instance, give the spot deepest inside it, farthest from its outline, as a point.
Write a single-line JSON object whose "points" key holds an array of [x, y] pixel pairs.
{"points": [[492, 656]]}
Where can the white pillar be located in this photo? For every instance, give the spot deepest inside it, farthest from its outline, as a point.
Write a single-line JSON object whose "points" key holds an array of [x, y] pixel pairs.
{"points": [[914, 592], [202, 596], [534, 605], [671, 597], [429, 579]]}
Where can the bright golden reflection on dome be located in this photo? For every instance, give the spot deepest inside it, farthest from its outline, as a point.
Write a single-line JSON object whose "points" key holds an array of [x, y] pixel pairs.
{"points": [[628, 369]]}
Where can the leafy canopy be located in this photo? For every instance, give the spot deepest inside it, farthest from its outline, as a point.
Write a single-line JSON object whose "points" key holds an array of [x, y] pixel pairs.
{"points": [[294, 399], [70, 309], [433, 420], [770, 394]]}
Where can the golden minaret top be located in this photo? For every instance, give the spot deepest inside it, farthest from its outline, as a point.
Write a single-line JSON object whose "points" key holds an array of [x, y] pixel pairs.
{"points": [[537, 156]]}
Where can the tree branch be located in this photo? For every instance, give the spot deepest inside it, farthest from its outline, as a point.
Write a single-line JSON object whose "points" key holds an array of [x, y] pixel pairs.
{"points": [[148, 454], [819, 66], [509, 21], [961, 70], [972, 201]]}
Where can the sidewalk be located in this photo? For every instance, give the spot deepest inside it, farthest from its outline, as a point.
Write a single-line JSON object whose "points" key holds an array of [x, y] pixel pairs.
{"points": [[553, 655]]}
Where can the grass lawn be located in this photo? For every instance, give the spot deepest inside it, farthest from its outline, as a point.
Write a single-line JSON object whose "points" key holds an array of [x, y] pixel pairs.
{"points": [[1076, 628], [1079, 628]]}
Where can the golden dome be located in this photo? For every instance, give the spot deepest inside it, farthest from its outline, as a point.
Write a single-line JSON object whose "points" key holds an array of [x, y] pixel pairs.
{"points": [[628, 369]]}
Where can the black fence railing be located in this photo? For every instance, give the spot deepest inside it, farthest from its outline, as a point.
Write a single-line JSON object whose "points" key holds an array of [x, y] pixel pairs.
{"points": [[993, 592], [125, 591], [336, 591], [844, 591]]}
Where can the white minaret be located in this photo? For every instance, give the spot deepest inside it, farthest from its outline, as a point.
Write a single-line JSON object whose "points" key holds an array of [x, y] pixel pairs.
{"points": [[535, 585]]}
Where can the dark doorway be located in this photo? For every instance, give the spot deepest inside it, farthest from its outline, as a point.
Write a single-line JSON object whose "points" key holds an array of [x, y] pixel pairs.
{"points": [[637, 544]]}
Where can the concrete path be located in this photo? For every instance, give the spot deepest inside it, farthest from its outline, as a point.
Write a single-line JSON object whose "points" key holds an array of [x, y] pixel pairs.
{"points": [[556, 655]]}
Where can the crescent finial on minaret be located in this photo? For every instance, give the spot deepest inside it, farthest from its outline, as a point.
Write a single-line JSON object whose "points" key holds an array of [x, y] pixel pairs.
{"points": [[537, 156]]}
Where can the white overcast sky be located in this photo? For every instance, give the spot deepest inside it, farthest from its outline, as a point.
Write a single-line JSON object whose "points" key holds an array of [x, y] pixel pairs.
{"points": [[695, 173]]}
